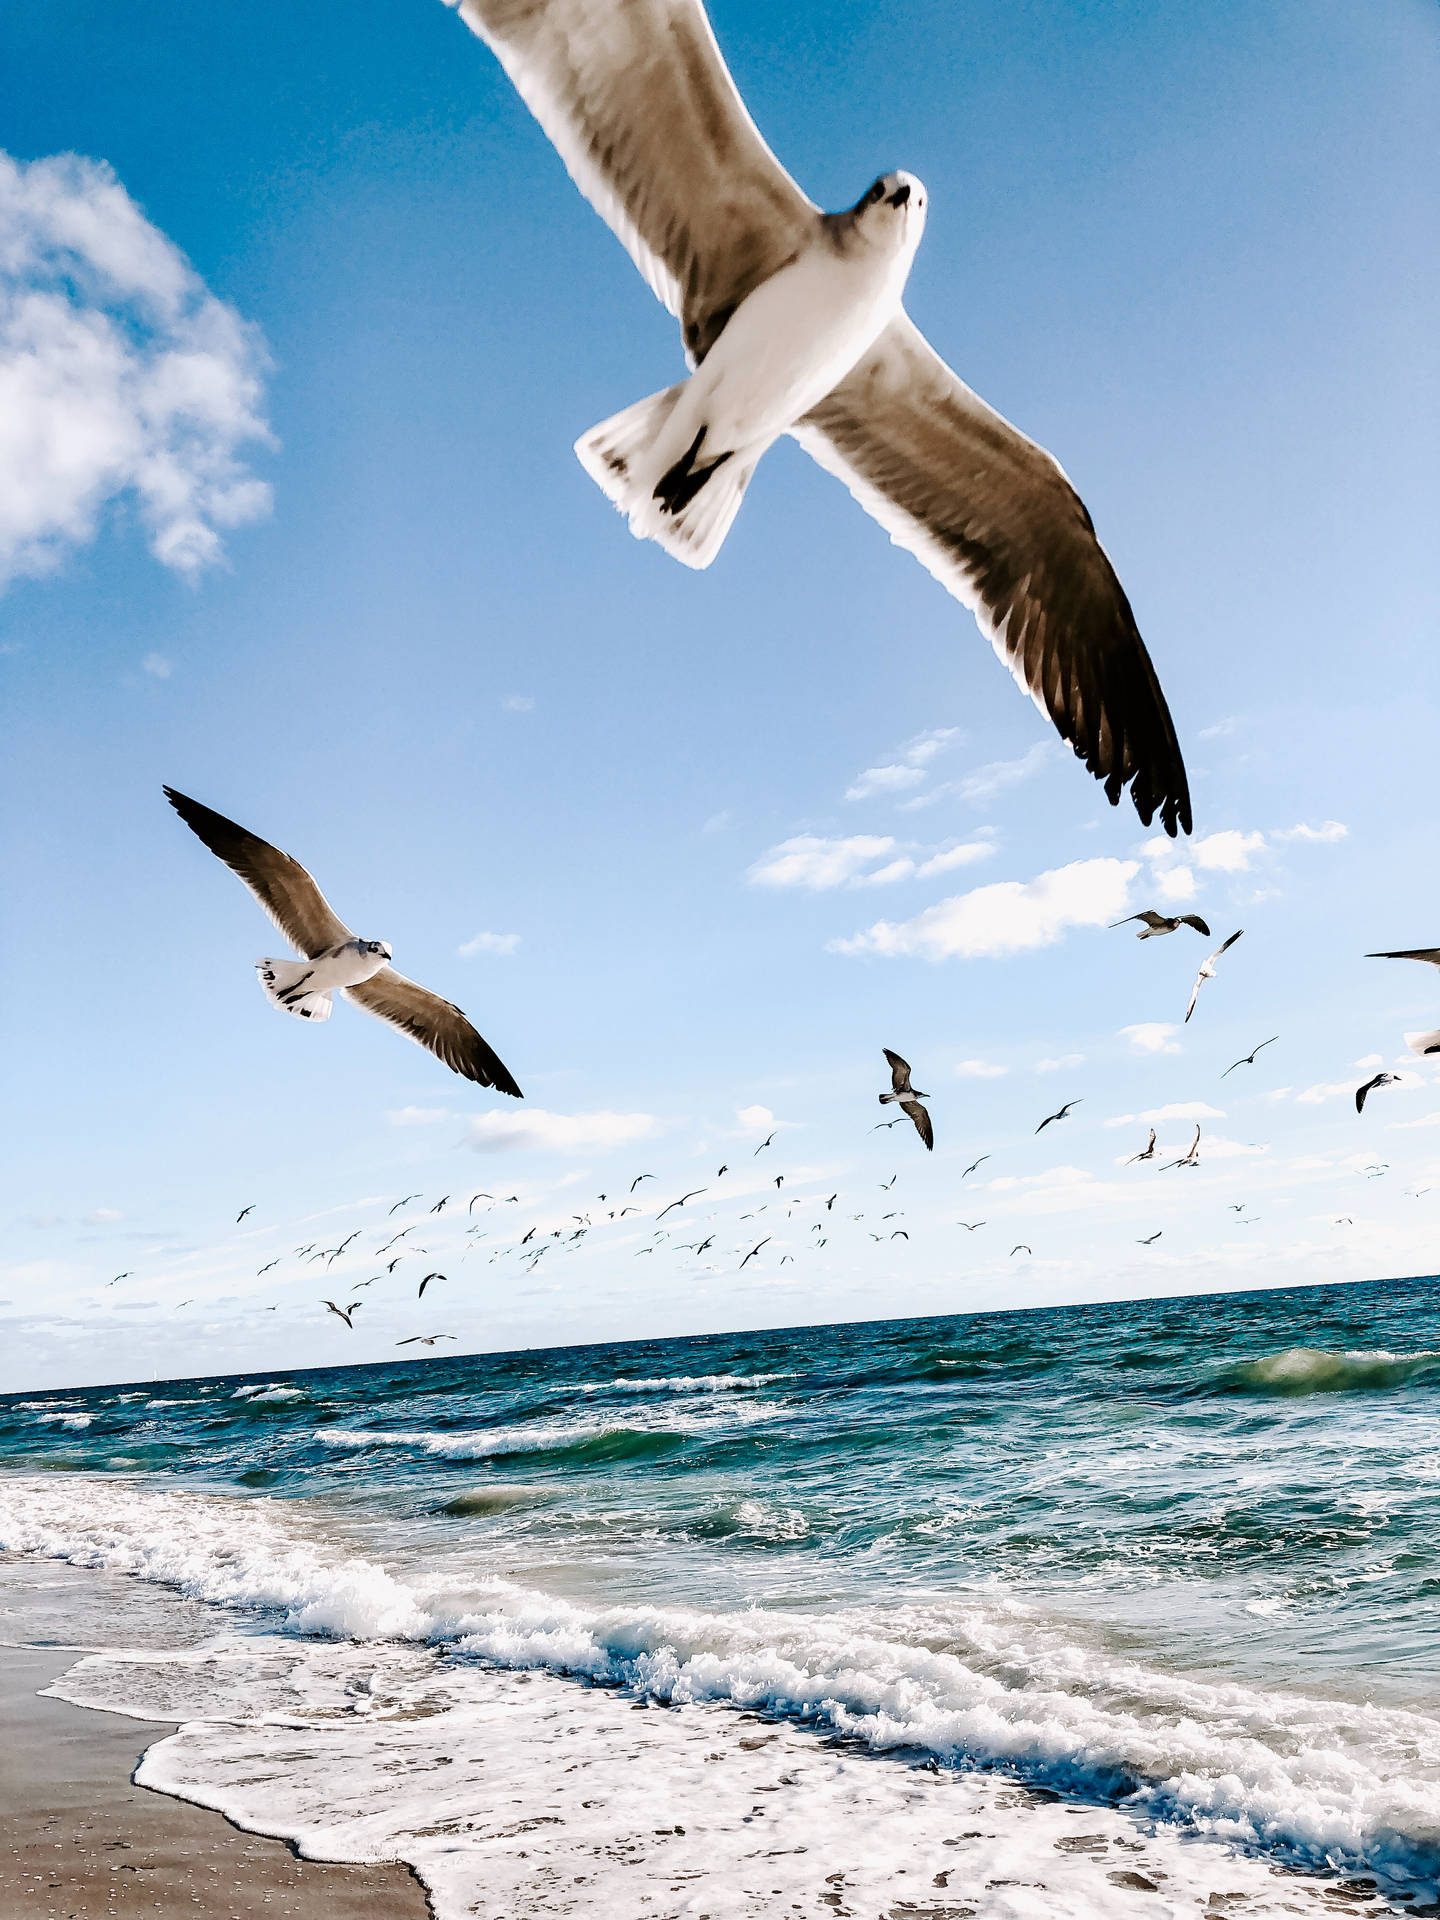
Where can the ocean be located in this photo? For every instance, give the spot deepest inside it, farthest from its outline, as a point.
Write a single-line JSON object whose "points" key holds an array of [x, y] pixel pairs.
{"points": [[1017, 1613]]}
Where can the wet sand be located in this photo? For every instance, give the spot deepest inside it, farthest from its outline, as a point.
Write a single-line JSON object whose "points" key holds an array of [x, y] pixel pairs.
{"points": [[79, 1842]]}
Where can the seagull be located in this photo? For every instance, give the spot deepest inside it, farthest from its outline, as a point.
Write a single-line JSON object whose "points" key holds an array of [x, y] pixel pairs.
{"points": [[638, 1178], [243, 1211], [768, 1141], [792, 321], [974, 1164], [719, 1171], [1207, 970], [1345, 1220], [273, 1263], [1159, 923], [344, 1313], [1380, 1080], [1057, 1116], [440, 1205], [970, 1225], [885, 1185], [880, 1125], [908, 1098], [118, 1278], [1021, 1248], [1147, 1153], [1190, 1158], [830, 1203], [426, 1281], [530, 1235], [1249, 1059], [425, 1339], [779, 1181], [335, 960], [899, 1234], [1151, 1241], [753, 1251], [404, 1203], [1421, 1043], [480, 1196]]}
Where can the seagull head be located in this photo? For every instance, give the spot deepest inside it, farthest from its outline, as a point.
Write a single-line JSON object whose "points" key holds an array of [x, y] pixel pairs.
{"points": [[381, 948], [891, 213]]}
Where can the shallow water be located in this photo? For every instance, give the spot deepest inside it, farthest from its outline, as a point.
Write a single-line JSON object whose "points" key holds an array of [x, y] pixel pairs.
{"points": [[1180, 1556]]}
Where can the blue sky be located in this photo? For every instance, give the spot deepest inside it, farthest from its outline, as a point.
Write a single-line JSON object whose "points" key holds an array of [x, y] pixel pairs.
{"points": [[374, 609]]}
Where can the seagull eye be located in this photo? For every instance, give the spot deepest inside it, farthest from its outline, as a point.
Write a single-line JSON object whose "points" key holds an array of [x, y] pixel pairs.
{"points": [[875, 192]]}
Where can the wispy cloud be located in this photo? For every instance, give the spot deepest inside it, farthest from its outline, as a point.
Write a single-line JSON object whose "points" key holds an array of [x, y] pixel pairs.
{"points": [[1060, 1063], [1152, 1036], [980, 1070], [123, 376], [1177, 1110], [419, 1116], [981, 786], [1221, 728], [501, 944], [816, 864], [533, 1127], [157, 666], [909, 770], [1327, 832], [518, 703], [1012, 916]]}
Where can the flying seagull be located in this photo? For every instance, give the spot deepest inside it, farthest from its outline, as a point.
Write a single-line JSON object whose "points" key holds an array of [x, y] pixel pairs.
{"points": [[753, 1251], [334, 959], [243, 1211], [1146, 1153], [1191, 1156], [1022, 1248], [793, 322], [1421, 1043], [1380, 1080], [405, 1202], [681, 1201], [1159, 923], [259, 1271], [638, 1178], [440, 1205], [970, 1225], [908, 1098], [1056, 1116], [1249, 1059], [426, 1281], [768, 1141], [1151, 1241], [974, 1164], [344, 1313], [425, 1339], [1207, 969]]}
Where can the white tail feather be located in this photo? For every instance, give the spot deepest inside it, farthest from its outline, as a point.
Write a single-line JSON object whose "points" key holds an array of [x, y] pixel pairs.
{"points": [[280, 978], [614, 456]]}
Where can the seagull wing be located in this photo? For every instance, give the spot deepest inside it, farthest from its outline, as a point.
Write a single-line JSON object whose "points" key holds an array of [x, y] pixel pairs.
{"points": [[922, 1121], [281, 885], [899, 1071], [1431, 955], [436, 1024], [1360, 1092], [1224, 946], [994, 518], [640, 106], [1200, 979], [1194, 920]]}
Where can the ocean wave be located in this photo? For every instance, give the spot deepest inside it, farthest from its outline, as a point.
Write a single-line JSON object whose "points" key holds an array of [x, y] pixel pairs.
{"points": [[1321, 1782], [1297, 1370], [684, 1383], [589, 1435], [64, 1419]]}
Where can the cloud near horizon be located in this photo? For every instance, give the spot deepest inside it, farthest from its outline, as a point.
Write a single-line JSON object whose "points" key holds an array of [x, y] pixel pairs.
{"points": [[503, 1132], [1010, 916]]}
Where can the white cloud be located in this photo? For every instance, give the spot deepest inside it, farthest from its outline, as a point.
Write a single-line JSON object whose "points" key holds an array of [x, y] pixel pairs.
{"points": [[1220, 730], [419, 1116], [498, 1132], [1060, 1063], [121, 376], [1177, 1110], [1175, 885], [1328, 830], [1403, 1126], [985, 782], [755, 1119], [1227, 852], [908, 771], [810, 862], [1371, 1060], [157, 665], [102, 1217], [963, 855], [885, 876], [518, 703], [980, 1070], [1012, 916], [503, 944], [1314, 1096], [717, 822], [1152, 1036]]}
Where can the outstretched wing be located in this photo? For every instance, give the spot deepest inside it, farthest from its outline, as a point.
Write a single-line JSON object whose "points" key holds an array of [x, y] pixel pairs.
{"points": [[899, 1071], [279, 882], [994, 518], [637, 101], [1200, 979], [435, 1024], [922, 1121], [1224, 946], [1194, 920], [1429, 954]]}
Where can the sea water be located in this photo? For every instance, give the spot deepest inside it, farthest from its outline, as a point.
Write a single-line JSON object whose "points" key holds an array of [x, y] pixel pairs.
{"points": [[1165, 1571]]}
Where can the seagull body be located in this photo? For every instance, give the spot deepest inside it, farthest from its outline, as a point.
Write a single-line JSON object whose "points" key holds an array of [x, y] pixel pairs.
{"points": [[424, 1339], [1207, 970], [1146, 1153], [243, 1211], [1191, 1157], [1056, 1116], [792, 320], [335, 960], [1022, 1248], [908, 1098], [1380, 1080], [343, 1313], [1151, 1241], [1161, 923]]}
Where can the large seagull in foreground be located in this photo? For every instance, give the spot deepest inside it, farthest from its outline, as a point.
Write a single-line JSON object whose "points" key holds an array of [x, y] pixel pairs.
{"points": [[335, 960], [793, 323]]}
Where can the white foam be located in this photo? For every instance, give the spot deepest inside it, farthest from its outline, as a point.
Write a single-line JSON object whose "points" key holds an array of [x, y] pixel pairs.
{"points": [[64, 1419], [685, 1383], [535, 1436], [1320, 1370]]}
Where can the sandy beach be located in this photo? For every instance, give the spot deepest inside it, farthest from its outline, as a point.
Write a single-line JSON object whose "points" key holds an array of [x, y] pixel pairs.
{"points": [[77, 1838]]}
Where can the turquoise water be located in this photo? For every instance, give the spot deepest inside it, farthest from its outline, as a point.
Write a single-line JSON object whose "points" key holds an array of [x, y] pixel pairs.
{"points": [[1179, 1515]]}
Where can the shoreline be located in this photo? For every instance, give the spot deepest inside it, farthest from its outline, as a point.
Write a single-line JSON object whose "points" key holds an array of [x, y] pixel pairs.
{"points": [[79, 1838]]}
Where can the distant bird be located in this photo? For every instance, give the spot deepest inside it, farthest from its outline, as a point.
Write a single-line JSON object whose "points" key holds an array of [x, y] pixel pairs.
{"points": [[704, 1244], [273, 1263], [908, 1098], [1021, 1248], [638, 1178], [1380, 1080], [1146, 1153], [899, 1234], [1158, 923], [1236, 1206], [720, 1170], [793, 321], [767, 1142], [970, 1226], [1190, 1158], [343, 1313], [405, 1202], [1345, 1220], [1249, 1059], [625, 1210], [753, 1251], [391, 1265], [1057, 1116], [483, 1196], [424, 1339], [243, 1211], [426, 1281], [885, 1185], [1151, 1241], [335, 960], [118, 1278], [830, 1203], [880, 1125], [357, 1284], [530, 1235], [779, 1181], [1207, 969], [440, 1205], [974, 1164]]}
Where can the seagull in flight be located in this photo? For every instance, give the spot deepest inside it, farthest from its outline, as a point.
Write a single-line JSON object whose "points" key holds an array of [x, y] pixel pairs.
{"points": [[344, 1313], [440, 1205], [693, 1194], [1249, 1059], [1207, 969], [752, 1253], [335, 960], [425, 1339], [404, 1203], [243, 1211], [1191, 1156], [974, 1164], [1380, 1080], [273, 1263], [792, 321], [426, 1281], [119, 1277], [1153, 1238], [638, 1178], [1057, 1116], [767, 1142], [1021, 1248], [1421, 1043], [1146, 1153], [1161, 923], [908, 1098], [970, 1225]]}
